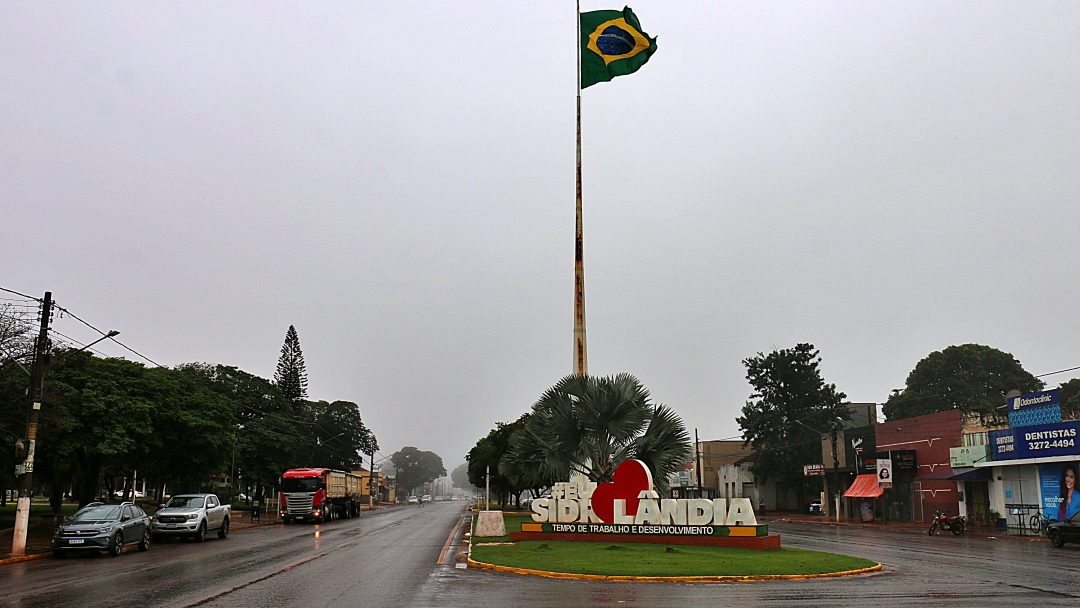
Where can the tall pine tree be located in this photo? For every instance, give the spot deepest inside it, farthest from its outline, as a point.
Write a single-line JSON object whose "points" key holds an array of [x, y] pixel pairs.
{"points": [[291, 375]]}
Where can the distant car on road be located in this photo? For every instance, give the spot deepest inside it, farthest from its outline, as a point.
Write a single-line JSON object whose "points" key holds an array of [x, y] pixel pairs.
{"points": [[1067, 531], [413, 500], [100, 527], [427, 498], [191, 515]]}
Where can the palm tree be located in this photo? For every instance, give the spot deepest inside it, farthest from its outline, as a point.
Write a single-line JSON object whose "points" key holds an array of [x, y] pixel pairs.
{"points": [[589, 424]]}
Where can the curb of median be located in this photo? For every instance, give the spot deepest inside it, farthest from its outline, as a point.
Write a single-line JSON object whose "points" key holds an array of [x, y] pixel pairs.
{"points": [[669, 579], [23, 558], [665, 579]]}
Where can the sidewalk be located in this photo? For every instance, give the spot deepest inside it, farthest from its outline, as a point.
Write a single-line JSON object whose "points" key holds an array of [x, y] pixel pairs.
{"points": [[902, 526], [38, 543]]}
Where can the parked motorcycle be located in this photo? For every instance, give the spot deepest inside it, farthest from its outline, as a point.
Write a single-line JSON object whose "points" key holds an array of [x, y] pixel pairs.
{"points": [[947, 523]]}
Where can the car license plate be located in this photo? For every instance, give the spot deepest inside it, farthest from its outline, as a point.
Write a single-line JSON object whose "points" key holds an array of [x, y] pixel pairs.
{"points": [[75, 541], [299, 517], [170, 525]]}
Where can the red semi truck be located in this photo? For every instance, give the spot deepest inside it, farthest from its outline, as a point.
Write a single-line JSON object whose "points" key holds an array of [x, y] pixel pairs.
{"points": [[319, 495]]}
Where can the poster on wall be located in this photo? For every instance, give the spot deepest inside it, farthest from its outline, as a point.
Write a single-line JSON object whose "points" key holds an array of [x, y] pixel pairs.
{"points": [[1060, 494]]}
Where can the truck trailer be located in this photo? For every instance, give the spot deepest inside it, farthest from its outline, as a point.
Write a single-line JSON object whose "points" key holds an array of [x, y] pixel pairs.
{"points": [[318, 495]]}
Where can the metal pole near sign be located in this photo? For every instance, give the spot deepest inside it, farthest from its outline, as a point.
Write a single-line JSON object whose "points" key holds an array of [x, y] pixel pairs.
{"points": [[487, 489]]}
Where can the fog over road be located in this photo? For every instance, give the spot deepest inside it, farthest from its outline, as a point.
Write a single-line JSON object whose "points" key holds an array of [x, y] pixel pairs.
{"points": [[389, 558]]}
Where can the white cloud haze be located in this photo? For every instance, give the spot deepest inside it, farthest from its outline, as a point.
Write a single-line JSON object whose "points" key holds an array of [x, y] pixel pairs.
{"points": [[397, 180]]}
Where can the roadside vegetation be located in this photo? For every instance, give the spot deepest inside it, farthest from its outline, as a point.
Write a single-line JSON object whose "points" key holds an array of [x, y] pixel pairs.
{"points": [[641, 559], [110, 427], [583, 425]]}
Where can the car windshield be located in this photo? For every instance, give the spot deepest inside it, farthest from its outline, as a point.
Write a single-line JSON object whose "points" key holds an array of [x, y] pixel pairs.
{"points": [[184, 502], [310, 484], [102, 513]]}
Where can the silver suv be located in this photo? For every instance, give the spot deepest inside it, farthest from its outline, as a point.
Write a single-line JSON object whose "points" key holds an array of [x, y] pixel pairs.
{"points": [[191, 515]]}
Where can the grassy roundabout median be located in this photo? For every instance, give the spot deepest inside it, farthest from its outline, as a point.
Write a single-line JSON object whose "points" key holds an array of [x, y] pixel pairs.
{"points": [[571, 559]]}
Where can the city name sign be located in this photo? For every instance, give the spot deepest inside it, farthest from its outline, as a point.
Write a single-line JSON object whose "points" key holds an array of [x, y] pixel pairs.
{"points": [[630, 505]]}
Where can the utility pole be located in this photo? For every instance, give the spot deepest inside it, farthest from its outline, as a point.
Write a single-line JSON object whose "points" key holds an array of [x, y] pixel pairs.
{"points": [[33, 400], [371, 483], [487, 488], [836, 471], [697, 462]]}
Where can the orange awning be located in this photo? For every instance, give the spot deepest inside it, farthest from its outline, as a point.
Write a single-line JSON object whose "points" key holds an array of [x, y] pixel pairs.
{"points": [[865, 486]]}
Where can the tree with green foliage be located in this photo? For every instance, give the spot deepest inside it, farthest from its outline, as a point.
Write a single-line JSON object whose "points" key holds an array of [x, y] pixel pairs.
{"points": [[340, 437], [291, 374], [1070, 399], [486, 455], [460, 476], [271, 432], [414, 467], [971, 378], [789, 409], [591, 424]]}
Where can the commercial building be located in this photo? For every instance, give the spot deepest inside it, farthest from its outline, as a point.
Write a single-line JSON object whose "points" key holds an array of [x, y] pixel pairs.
{"points": [[1028, 468]]}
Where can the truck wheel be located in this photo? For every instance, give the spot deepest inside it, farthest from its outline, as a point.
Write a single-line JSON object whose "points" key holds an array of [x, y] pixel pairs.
{"points": [[200, 535], [223, 531]]}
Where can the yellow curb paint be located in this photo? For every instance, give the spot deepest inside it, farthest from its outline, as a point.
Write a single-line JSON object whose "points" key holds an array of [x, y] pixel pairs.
{"points": [[667, 579], [23, 558]]}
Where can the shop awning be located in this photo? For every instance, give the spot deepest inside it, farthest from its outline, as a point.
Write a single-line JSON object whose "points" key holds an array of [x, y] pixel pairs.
{"points": [[864, 486], [971, 474]]}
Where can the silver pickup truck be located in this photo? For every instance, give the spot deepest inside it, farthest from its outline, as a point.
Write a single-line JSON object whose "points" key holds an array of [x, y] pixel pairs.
{"points": [[191, 515]]}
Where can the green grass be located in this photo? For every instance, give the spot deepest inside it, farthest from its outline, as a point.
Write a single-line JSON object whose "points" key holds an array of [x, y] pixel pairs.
{"points": [[640, 559], [513, 524]]}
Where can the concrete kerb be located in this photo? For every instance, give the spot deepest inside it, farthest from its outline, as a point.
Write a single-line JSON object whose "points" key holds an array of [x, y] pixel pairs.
{"points": [[668, 579], [664, 579], [24, 558]]}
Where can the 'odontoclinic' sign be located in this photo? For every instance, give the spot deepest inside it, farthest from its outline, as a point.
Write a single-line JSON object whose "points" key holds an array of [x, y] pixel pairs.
{"points": [[630, 505]]}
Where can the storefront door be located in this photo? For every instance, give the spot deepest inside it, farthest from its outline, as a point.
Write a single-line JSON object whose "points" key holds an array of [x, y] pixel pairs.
{"points": [[977, 499]]}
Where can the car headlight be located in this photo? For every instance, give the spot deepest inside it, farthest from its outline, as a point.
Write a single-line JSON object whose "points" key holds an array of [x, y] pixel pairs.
{"points": [[193, 516]]}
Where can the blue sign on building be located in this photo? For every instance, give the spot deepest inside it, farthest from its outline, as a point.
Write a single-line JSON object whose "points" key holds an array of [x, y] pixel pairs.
{"points": [[1035, 409], [1061, 439]]}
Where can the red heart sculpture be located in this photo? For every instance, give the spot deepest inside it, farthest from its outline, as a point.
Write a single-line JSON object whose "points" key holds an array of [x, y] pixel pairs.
{"points": [[630, 478]]}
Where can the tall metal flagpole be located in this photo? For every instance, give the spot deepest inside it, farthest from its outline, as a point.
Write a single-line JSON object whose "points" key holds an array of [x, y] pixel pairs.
{"points": [[581, 363]]}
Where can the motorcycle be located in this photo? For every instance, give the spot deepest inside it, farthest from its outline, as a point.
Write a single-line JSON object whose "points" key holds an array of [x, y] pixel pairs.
{"points": [[947, 524]]}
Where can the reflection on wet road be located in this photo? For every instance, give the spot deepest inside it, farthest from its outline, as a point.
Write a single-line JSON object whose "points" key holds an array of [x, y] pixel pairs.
{"points": [[381, 558], [389, 558]]}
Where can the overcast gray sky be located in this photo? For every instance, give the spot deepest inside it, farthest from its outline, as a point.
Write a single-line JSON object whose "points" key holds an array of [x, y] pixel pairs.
{"points": [[881, 179]]}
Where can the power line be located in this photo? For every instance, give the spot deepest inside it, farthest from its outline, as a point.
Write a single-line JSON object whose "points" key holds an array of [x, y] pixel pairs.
{"points": [[21, 294]]}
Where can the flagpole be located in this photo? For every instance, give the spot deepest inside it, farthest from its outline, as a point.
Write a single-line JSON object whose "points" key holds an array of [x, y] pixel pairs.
{"points": [[581, 364]]}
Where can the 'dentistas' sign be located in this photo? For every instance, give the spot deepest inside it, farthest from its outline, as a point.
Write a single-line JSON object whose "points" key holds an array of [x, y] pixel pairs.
{"points": [[629, 505], [1061, 439]]}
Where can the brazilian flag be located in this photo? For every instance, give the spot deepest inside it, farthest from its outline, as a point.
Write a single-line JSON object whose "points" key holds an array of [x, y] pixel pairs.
{"points": [[612, 44]]}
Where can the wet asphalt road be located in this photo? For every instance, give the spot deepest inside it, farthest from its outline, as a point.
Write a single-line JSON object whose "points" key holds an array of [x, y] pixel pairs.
{"points": [[919, 571], [379, 559], [388, 558]]}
